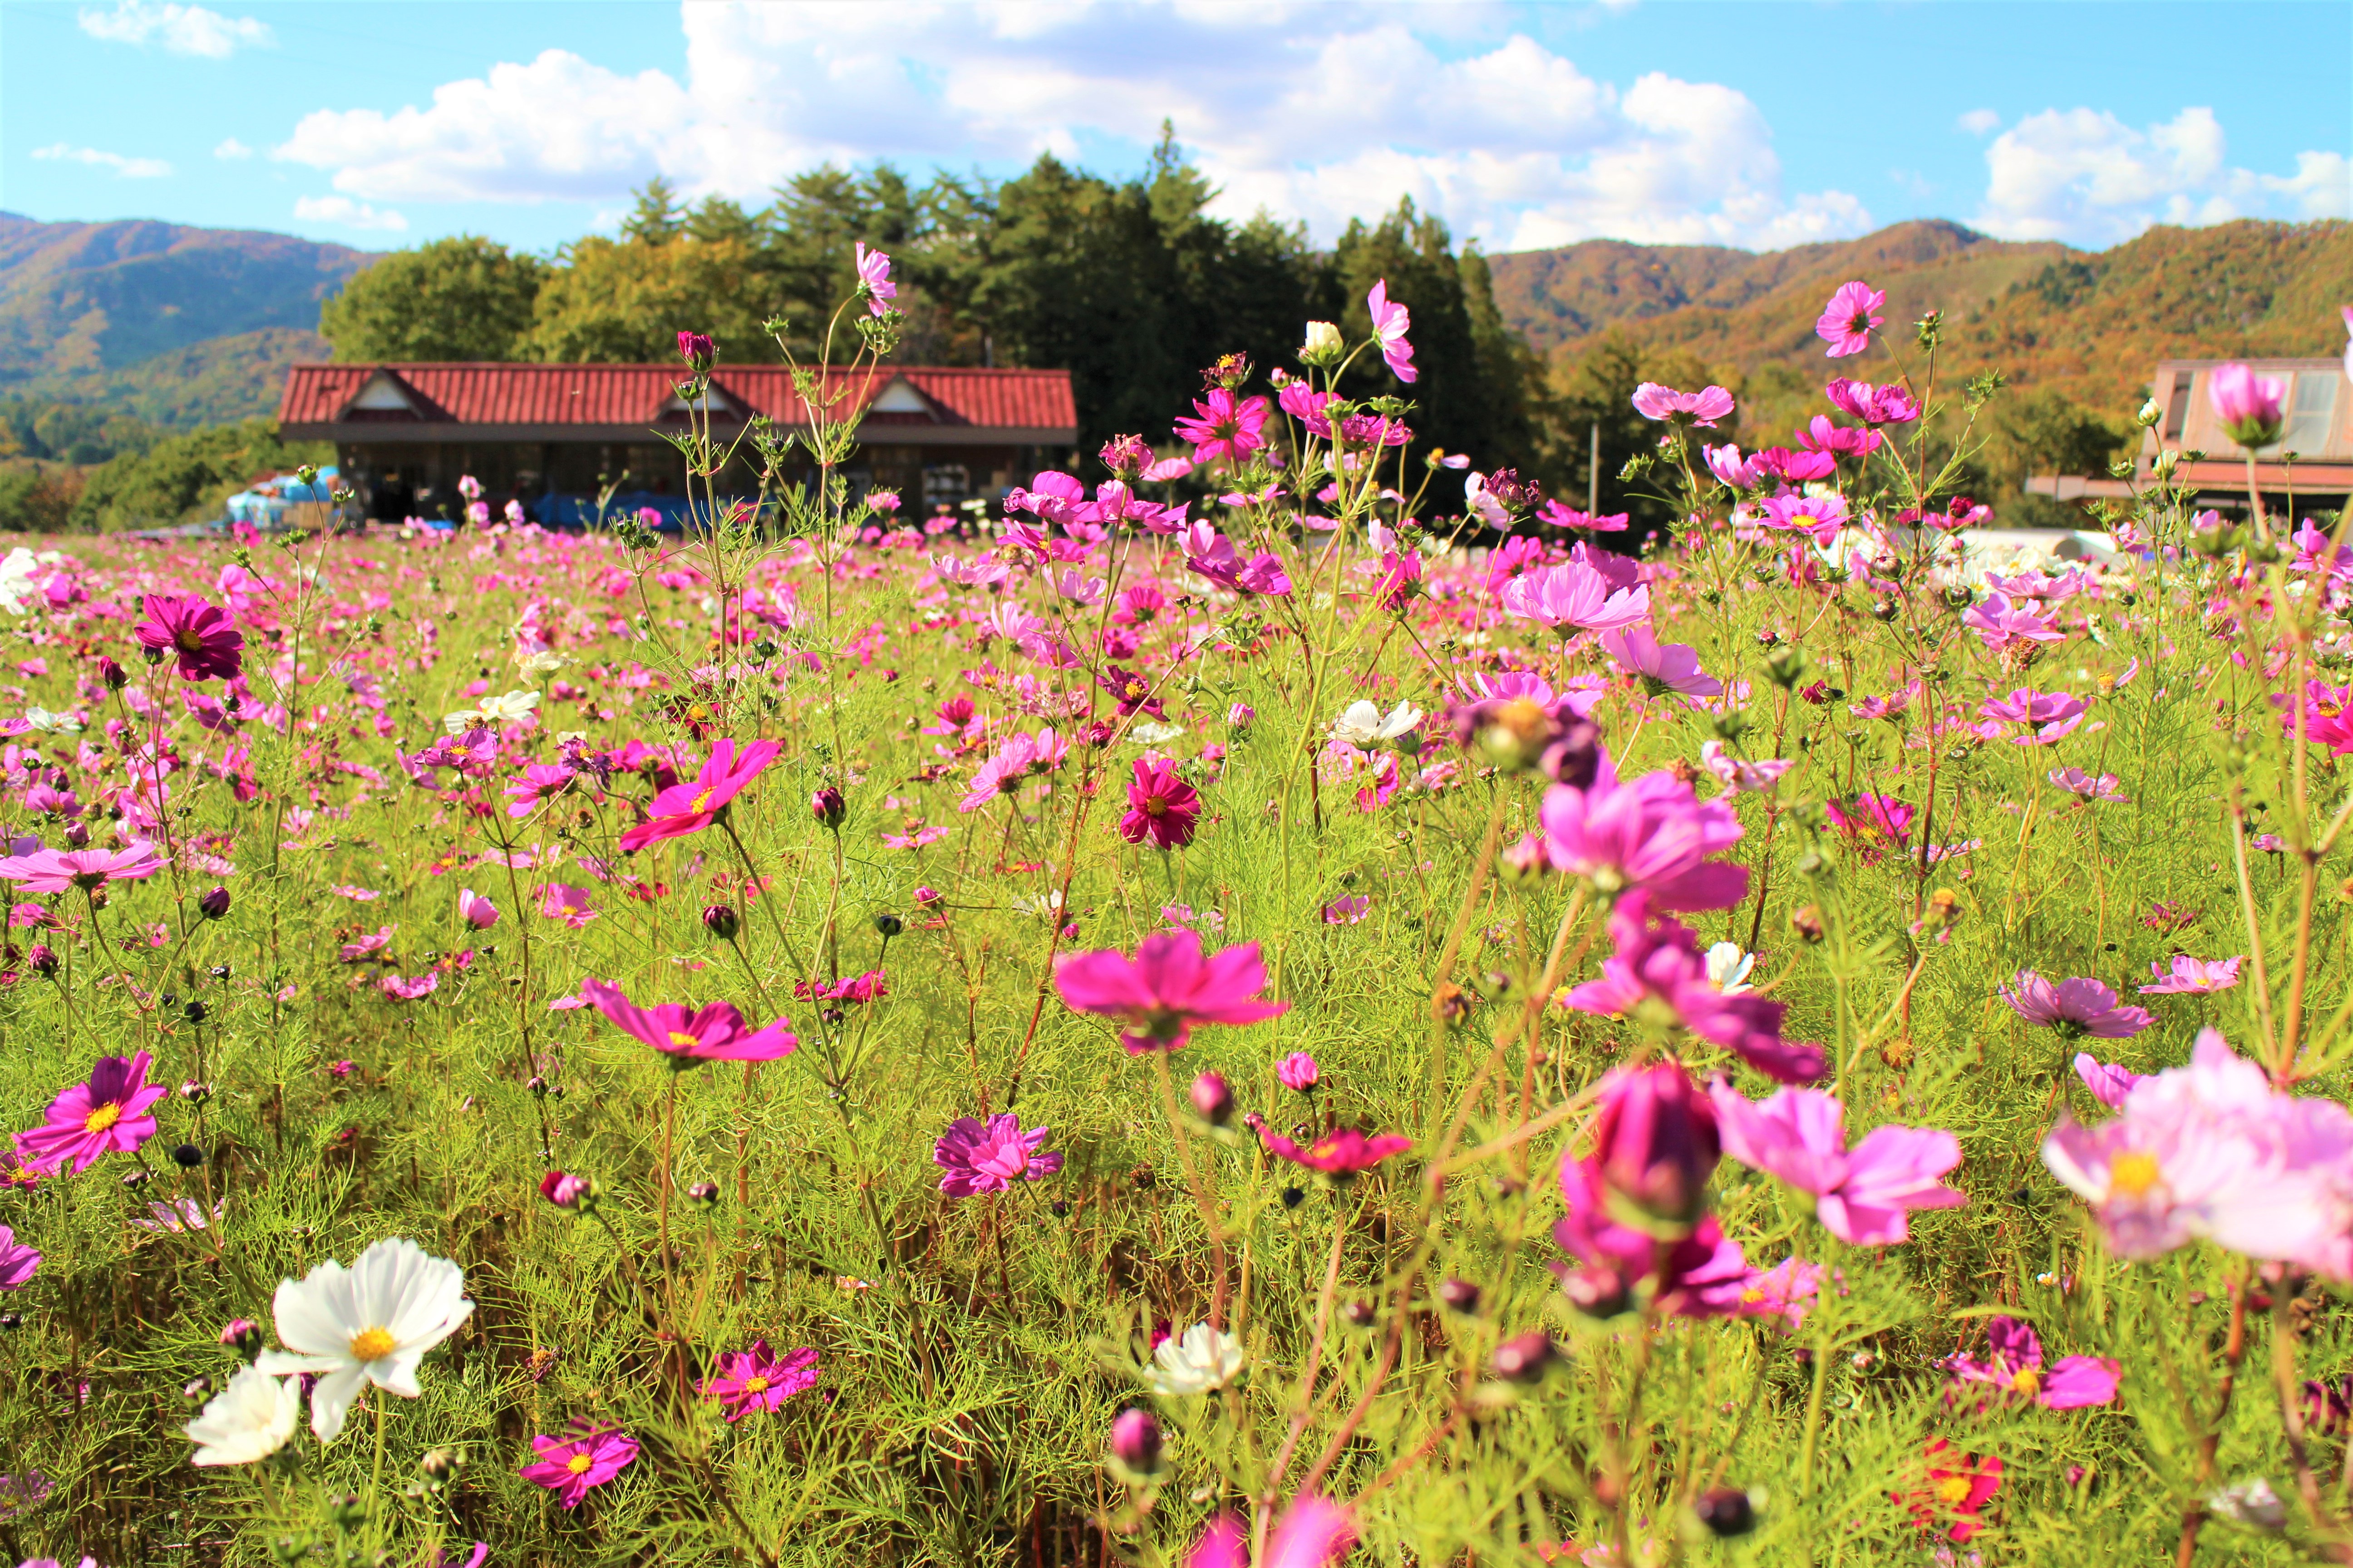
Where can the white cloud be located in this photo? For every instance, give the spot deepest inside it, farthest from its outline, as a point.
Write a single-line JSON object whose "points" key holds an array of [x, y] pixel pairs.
{"points": [[1514, 145], [346, 212], [1977, 121], [124, 167], [2084, 176], [182, 30], [232, 148]]}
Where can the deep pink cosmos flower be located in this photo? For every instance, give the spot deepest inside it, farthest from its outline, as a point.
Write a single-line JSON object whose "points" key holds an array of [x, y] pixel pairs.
{"points": [[2193, 976], [1297, 1072], [2015, 1364], [991, 1156], [1696, 1271], [2250, 407], [1575, 596], [1872, 404], [1658, 973], [1167, 989], [1958, 1486], [863, 987], [59, 871], [473, 909], [874, 278], [1391, 321], [106, 1115], [570, 1467], [1343, 1151], [1702, 408], [1161, 806], [1862, 1195], [693, 805], [757, 1379], [2074, 1008], [1312, 1532], [1849, 317], [1875, 815], [696, 349], [1818, 518], [1654, 834], [202, 636], [1671, 667], [716, 1033], [17, 1261], [1826, 438], [1222, 429], [535, 785], [1654, 1142]]}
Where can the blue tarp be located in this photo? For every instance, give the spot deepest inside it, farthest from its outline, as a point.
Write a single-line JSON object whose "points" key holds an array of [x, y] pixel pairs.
{"points": [[266, 508]]}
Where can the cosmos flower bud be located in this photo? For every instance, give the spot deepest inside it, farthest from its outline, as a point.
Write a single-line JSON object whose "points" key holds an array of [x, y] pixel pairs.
{"points": [[1135, 1446], [214, 904], [565, 1191], [1212, 1098], [721, 921], [438, 1465], [1298, 1072], [828, 806], [1726, 1510], [243, 1336], [927, 895], [1655, 1142], [2149, 414], [1323, 342], [697, 350], [703, 1194], [114, 676], [888, 925], [1523, 1358], [41, 959], [1460, 1295]]}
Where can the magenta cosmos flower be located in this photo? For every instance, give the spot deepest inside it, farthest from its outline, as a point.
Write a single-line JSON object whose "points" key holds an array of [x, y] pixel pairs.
{"points": [[17, 1261], [874, 278], [2015, 1364], [2074, 1008], [991, 1156], [1312, 1531], [1862, 1195], [1848, 320], [1662, 668], [1659, 974], [1654, 834], [570, 1467], [1343, 1151], [1166, 988], [2249, 405], [202, 636], [716, 1033], [106, 1115], [1391, 321], [695, 804], [2193, 976], [1161, 806], [1873, 405], [758, 1379], [1702, 408], [61, 871], [1222, 429]]}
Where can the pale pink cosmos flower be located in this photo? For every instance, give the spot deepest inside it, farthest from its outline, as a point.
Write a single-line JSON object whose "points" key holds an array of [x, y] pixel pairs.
{"points": [[2250, 407], [1702, 408], [1022, 757], [1848, 320], [564, 902], [1999, 621], [2088, 786], [1862, 1195], [2074, 1008], [475, 910], [2014, 1363], [1738, 774], [2046, 717], [2191, 976], [59, 871], [874, 278], [2109, 1083], [1654, 834], [1663, 667], [1391, 321], [1726, 464], [1575, 596], [1167, 989]]}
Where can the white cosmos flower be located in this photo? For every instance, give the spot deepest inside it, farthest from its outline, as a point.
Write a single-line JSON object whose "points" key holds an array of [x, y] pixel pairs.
{"points": [[248, 1421], [1728, 967], [463, 720], [1203, 1360], [1362, 724], [17, 574], [370, 1323], [513, 705]]}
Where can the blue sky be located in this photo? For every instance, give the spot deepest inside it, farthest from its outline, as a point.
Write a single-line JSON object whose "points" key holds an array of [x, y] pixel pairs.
{"points": [[1759, 125]]}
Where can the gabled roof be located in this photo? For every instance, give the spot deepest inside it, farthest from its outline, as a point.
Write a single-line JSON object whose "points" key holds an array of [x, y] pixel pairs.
{"points": [[324, 399]]}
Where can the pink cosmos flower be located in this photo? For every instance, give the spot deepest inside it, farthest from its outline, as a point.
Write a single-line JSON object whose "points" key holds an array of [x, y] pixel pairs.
{"points": [[1222, 429], [58, 870], [1862, 1195], [1872, 404], [1346, 911], [1999, 621], [1020, 758], [1739, 774], [1959, 1485], [202, 636], [1573, 595], [564, 902], [1849, 317], [2073, 1008], [475, 910], [874, 278], [535, 785], [1654, 835], [1818, 518], [1161, 806], [1658, 970], [991, 1156], [570, 1467], [2088, 787], [364, 947], [716, 1033], [106, 1115], [1343, 1151], [1826, 438], [2047, 717], [1701, 1274], [865, 987], [2015, 1364], [693, 805], [1312, 1532], [1391, 321], [17, 1261], [1297, 1072], [1702, 408], [2250, 407], [2193, 976], [1213, 555], [2109, 1083], [403, 990], [1671, 667], [1167, 989], [757, 1379]]}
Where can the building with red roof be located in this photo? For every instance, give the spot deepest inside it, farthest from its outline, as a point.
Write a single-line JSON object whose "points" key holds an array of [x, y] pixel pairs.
{"points": [[554, 436]]}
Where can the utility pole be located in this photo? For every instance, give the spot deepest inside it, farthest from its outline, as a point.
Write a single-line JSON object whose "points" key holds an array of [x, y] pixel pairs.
{"points": [[1593, 473]]}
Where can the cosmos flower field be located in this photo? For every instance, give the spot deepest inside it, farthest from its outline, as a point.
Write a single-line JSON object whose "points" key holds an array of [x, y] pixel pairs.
{"points": [[1281, 1001]]}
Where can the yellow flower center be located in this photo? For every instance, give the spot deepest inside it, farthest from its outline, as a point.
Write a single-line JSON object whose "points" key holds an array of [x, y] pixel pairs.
{"points": [[1157, 806], [2026, 1380], [189, 641], [104, 1117], [684, 1042], [1953, 1491], [702, 801], [2130, 1176], [579, 1464], [372, 1344], [757, 1385]]}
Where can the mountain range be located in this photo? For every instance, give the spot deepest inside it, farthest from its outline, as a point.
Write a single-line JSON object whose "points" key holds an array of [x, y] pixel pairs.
{"points": [[184, 326]]}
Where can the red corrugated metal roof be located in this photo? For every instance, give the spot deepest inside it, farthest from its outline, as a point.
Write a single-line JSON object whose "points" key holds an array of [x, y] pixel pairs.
{"points": [[633, 394]]}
